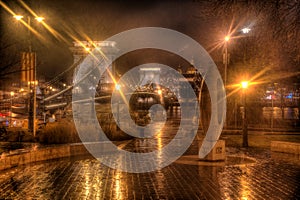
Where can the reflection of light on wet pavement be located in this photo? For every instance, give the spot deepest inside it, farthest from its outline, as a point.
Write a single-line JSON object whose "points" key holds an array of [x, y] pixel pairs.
{"points": [[159, 146], [244, 194], [262, 177], [267, 178], [87, 183], [118, 185]]}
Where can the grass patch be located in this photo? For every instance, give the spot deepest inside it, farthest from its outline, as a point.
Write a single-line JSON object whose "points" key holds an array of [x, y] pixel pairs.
{"points": [[259, 140]]}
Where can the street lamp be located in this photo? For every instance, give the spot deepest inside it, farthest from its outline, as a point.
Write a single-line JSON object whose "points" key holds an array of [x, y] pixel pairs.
{"points": [[244, 86], [18, 17], [28, 25], [30, 59], [227, 38], [40, 19]]}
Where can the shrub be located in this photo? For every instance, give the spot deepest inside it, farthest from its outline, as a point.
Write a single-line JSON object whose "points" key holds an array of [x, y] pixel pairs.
{"points": [[58, 133]]}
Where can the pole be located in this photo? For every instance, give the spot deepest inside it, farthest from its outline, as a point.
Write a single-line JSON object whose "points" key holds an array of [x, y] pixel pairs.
{"points": [[29, 34], [272, 116], [34, 97], [10, 119], [235, 113], [245, 122], [225, 74], [33, 85], [226, 64], [118, 117], [30, 109]]}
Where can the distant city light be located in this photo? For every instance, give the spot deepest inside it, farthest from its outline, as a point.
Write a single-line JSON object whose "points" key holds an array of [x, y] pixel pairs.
{"points": [[289, 96], [159, 92], [246, 30]]}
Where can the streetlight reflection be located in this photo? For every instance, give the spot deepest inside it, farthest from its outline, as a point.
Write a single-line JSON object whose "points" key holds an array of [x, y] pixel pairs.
{"points": [[118, 185]]}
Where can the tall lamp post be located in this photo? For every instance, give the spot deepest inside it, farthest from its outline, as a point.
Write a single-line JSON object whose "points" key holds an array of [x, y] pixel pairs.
{"points": [[118, 88], [30, 60], [11, 104], [244, 86], [226, 59]]}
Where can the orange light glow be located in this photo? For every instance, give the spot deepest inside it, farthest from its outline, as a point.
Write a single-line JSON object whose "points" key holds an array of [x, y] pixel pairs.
{"points": [[227, 38], [244, 84]]}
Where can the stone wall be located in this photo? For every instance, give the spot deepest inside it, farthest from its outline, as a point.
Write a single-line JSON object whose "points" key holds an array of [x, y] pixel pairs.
{"points": [[18, 158], [285, 147]]}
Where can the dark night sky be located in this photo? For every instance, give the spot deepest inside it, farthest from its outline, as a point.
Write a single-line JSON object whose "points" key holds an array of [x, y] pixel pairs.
{"points": [[100, 19]]}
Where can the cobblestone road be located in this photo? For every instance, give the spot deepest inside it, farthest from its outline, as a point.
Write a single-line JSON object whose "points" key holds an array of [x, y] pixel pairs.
{"points": [[271, 176]]}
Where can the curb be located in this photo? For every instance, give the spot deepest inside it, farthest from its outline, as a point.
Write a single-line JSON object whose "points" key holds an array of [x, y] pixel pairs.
{"points": [[8, 161]]}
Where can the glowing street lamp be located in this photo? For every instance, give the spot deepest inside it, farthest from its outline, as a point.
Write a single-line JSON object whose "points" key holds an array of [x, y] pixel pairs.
{"points": [[244, 86], [40, 19], [32, 101], [18, 17], [227, 38]]}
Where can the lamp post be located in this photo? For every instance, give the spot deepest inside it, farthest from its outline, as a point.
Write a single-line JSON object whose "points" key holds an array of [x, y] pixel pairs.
{"points": [[30, 60], [226, 59], [226, 55], [11, 103], [118, 88], [244, 86]]}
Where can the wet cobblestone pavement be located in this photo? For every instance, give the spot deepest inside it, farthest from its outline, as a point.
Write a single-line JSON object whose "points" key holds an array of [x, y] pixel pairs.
{"points": [[271, 176]]}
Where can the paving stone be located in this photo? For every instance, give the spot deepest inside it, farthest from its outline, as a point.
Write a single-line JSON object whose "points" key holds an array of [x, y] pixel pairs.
{"points": [[269, 177]]}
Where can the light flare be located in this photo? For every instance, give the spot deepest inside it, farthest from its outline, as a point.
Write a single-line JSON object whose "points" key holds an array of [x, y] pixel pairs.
{"points": [[41, 20], [20, 18], [244, 84]]}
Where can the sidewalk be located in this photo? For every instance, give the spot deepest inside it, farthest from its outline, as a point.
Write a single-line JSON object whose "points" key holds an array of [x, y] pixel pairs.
{"points": [[270, 176]]}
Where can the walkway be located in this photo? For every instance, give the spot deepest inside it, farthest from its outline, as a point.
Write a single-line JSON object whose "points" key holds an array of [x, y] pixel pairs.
{"points": [[271, 176]]}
